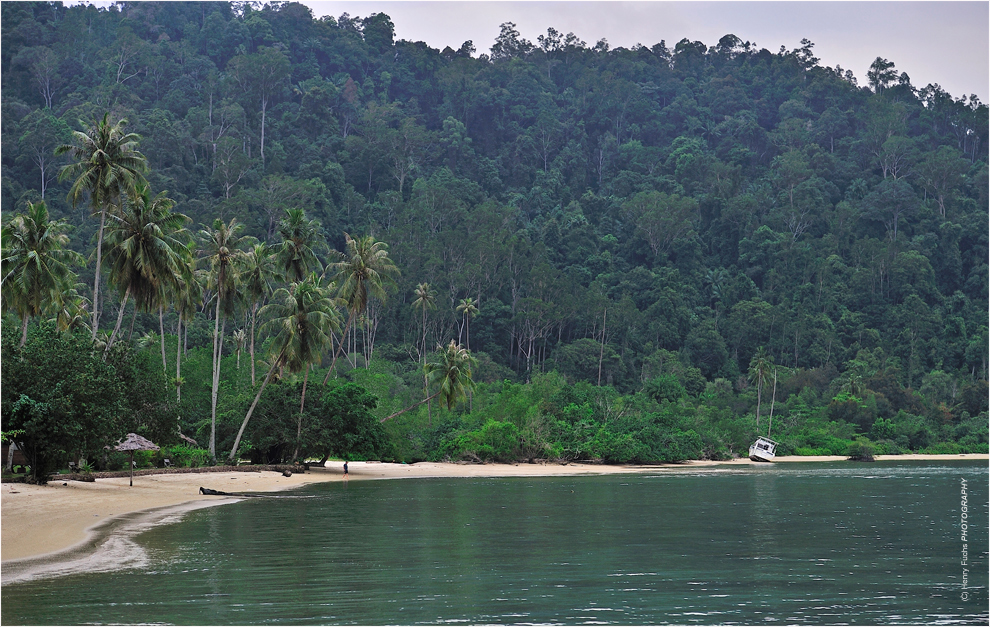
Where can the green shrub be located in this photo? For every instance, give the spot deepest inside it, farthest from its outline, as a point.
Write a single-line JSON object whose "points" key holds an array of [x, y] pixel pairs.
{"points": [[942, 448], [860, 450]]}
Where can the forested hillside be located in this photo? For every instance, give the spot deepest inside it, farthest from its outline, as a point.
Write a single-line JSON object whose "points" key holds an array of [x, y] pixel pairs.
{"points": [[684, 234]]}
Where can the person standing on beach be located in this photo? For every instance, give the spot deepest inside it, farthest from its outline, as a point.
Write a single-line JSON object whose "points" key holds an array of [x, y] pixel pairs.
{"points": [[345, 469]]}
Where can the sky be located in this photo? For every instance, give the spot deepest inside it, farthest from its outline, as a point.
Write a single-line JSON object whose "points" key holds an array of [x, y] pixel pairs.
{"points": [[934, 42]]}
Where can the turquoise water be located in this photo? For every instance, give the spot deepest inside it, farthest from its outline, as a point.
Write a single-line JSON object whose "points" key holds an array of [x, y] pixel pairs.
{"points": [[788, 543]]}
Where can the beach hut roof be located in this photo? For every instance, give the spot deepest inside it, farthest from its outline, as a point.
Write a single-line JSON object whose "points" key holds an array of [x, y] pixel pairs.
{"points": [[134, 442]]}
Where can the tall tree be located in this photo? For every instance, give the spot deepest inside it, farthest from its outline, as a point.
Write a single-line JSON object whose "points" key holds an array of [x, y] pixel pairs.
{"points": [[759, 373], [302, 319], [450, 374], [107, 165], [256, 277], [222, 250], [301, 240], [262, 75], [188, 297], [365, 271], [144, 253], [426, 298], [35, 266]]}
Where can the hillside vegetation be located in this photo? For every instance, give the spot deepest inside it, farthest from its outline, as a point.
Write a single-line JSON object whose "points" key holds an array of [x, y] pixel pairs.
{"points": [[641, 252]]}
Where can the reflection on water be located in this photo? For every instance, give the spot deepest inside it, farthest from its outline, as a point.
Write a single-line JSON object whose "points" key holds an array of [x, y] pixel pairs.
{"points": [[817, 544]]}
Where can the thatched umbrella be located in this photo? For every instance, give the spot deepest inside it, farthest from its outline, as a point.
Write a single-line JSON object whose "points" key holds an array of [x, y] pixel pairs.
{"points": [[134, 442]]}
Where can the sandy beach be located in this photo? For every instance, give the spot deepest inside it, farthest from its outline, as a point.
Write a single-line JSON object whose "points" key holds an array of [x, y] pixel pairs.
{"points": [[70, 518]]}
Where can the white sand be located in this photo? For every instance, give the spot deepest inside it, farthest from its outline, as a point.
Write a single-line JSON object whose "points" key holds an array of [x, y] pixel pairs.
{"points": [[40, 520]]}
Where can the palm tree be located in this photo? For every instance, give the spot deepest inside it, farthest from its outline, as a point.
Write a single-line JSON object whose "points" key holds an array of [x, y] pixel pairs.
{"points": [[301, 238], [221, 248], [759, 374], [450, 372], [240, 338], [107, 165], [35, 266], [364, 272], [302, 318], [468, 309], [256, 278], [144, 254], [425, 299], [72, 311], [188, 296]]}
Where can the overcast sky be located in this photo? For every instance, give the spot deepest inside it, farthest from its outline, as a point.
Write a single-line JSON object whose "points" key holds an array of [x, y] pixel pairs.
{"points": [[934, 42]]}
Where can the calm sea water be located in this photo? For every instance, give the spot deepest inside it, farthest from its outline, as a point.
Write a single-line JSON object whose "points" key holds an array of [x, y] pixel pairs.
{"points": [[789, 543]]}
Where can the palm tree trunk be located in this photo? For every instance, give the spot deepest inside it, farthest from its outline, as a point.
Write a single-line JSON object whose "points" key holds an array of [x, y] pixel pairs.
{"points": [[130, 333], [178, 360], [399, 413], [24, 331], [429, 408], [240, 432], [254, 309], [343, 337], [759, 395], [120, 318], [772, 400], [161, 332], [216, 382], [99, 264], [302, 405], [601, 355]]}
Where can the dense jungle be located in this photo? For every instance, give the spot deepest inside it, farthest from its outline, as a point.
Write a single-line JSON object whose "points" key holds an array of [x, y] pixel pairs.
{"points": [[299, 238]]}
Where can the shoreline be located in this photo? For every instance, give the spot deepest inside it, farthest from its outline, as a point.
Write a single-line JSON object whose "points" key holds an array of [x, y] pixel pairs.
{"points": [[76, 526]]}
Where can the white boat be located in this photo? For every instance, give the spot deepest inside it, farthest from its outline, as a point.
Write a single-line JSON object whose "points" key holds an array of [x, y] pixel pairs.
{"points": [[763, 450]]}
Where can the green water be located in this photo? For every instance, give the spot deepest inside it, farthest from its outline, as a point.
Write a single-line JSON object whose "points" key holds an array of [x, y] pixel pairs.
{"points": [[789, 543]]}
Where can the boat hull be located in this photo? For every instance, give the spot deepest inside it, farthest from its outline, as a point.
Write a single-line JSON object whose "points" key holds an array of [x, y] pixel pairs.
{"points": [[763, 450]]}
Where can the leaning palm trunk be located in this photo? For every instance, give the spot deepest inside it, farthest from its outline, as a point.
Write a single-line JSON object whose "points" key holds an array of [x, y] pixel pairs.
{"points": [[302, 405], [240, 432], [120, 318], [343, 338], [216, 381], [399, 413], [24, 331]]}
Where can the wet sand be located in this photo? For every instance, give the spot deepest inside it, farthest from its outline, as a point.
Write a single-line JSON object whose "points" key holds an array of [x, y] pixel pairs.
{"points": [[50, 528]]}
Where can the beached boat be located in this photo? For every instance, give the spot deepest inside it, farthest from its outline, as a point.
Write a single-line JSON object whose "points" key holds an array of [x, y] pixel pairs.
{"points": [[763, 450]]}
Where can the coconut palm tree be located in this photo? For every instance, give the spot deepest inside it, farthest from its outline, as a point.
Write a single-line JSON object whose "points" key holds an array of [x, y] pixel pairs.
{"points": [[449, 374], [144, 253], [759, 374], [188, 297], [302, 319], [468, 309], [240, 339], [364, 272], [72, 310], [107, 165], [425, 299], [256, 279], [35, 266], [222, 251], [301, 240]]}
